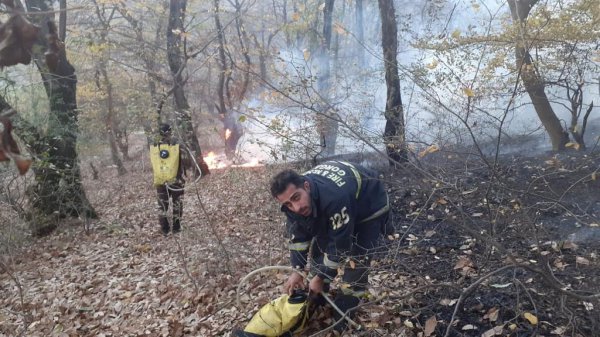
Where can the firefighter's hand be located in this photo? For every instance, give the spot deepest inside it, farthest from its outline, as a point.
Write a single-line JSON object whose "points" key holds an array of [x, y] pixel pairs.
{"points": [[295, 281], [316, 285]]}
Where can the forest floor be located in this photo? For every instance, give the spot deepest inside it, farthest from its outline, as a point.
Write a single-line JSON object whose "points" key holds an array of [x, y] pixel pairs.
{"points": [[511, 251]]}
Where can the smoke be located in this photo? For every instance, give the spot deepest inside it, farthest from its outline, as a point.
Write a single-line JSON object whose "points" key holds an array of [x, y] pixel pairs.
{"points": [[586, 235], [446, 95]]}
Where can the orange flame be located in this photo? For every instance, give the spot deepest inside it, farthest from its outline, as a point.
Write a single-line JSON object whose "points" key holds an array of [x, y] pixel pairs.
{"points": [[227, 133], [213, 161]]}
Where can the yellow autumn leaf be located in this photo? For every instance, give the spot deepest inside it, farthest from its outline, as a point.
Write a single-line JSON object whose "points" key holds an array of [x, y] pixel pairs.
{"points": [[456, 34], [475, 6], [468, 92], [432, 65], [295, 16], [572, 145], [594, 176], [98, 48], [531, 318], [306, 53], [431, 149]]}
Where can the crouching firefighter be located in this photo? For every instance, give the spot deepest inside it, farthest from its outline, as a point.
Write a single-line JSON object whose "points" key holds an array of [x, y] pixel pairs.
{"points": [[169, 163], [338, 211]]}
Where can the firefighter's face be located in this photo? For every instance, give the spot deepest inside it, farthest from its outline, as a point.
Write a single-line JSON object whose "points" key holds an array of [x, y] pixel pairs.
{"points": [[166, 135], [297, 199]]}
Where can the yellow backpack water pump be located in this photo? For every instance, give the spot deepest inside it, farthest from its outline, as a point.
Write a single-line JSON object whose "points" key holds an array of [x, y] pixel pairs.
{"points": [[165, 163], [284, 316]]}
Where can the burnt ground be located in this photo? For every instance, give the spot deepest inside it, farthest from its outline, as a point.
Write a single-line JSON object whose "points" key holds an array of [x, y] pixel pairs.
{"points": [[463, 220], [506, 250]]}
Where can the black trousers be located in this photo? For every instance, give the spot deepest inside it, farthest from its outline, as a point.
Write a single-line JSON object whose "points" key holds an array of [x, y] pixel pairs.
{"points": [[365, 245], [175, 193]]}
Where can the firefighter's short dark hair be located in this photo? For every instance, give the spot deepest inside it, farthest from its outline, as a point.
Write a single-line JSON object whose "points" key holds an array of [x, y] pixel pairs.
{"points": [[281, 181], [164, 129]]}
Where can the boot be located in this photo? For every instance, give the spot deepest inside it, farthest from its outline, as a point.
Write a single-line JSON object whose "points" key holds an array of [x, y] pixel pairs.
{"points": [[177, 213], [164, 225], [345, 303], [176, 225]]}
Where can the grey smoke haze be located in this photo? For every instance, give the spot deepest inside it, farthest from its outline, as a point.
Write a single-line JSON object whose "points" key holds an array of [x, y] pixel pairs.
{"points": [[359, 93]]}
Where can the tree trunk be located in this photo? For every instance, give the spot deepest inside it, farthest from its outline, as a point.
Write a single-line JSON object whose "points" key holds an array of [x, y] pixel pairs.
{"points": [[58, 188], [576, 100], [328, 127], [243, 38], [122, 135], [394, 133], [336, 47], [110, 121], [231, 128], [288, 36], [262, 56], [62, 21], [533, 82], [359, 31], [183, 118]]}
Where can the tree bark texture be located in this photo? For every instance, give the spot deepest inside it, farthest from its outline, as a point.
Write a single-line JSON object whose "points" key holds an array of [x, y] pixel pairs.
{"points": [[58, 187], [176, 60], [394, 133], [232, 130], [533, 82], [576, 99], [110, 120], [359, 31], [326, 124], [222, 61]]}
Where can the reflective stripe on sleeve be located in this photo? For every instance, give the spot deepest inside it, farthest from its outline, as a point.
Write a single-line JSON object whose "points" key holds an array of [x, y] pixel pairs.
{"points": [[330, 264], [299, 246], [356, 175]]}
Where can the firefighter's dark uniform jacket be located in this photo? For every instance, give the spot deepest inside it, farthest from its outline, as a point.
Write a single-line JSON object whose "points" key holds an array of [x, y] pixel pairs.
{"points": [[344, 198]]}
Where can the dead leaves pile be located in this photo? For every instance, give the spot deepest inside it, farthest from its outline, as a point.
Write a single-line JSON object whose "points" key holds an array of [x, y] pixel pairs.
{"points": [[124, 279]]}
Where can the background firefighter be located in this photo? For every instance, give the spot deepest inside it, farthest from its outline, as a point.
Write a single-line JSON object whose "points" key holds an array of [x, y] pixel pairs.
{"points": [[169, 163], [338, 211]]}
